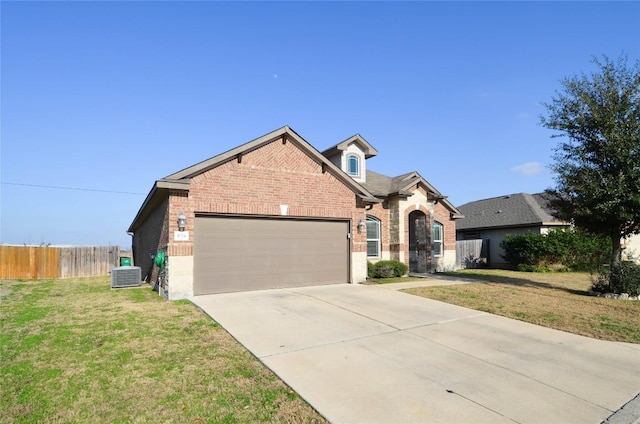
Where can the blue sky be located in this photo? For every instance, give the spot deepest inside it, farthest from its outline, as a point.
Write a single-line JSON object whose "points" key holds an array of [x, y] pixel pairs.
{"points": [[103, 98]]}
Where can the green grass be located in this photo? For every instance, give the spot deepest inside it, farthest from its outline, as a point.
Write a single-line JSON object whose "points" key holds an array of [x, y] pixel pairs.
{"points": [[554, 300], [75, 351]]}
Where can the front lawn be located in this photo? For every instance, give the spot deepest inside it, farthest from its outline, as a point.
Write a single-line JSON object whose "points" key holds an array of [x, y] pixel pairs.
{"points": [[555, 300], [76, 351]]}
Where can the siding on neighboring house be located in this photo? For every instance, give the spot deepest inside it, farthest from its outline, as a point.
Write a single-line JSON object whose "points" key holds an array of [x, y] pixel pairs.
{"points": [[631, 250]]}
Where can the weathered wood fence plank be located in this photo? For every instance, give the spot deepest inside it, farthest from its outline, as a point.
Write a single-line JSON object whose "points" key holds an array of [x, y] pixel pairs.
{"points": [[32, 262], [472, 253], [46, 262], [15, 262]]}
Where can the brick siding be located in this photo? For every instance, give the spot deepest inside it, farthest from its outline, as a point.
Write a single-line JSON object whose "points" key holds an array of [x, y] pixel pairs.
{"points": [[273, 175], [152, 236], [443, 216]]}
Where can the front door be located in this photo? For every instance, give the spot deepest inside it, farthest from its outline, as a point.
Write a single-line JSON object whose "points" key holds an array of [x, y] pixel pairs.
{"points": [[419, 248]]}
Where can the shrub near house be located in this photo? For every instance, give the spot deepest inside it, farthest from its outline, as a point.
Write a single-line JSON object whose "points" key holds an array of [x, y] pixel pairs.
{"points": [[560, 249], [386, 269]]}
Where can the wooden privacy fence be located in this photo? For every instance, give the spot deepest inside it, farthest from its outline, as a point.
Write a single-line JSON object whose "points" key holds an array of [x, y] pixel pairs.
{"points": [[472, 253], [32, 262]]}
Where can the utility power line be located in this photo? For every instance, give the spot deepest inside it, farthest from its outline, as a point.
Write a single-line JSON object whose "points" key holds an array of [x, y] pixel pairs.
{"points": [[72, 188]]}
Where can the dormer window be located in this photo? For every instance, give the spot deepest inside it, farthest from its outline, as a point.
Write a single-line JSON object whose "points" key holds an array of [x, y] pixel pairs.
{"points": [[350, 155], [353, 165]]}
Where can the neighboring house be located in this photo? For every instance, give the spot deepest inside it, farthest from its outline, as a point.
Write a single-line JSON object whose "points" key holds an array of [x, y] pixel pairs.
{"points": [[492, 219], [631, 248], [275, 212]]}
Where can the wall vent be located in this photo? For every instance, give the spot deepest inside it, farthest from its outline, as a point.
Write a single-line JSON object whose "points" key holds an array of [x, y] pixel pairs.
{"points": [[125, 276]]}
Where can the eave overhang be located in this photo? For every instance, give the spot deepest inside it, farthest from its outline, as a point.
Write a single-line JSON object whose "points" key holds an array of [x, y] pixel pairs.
{"points": [[158, 193], [524, 225]]}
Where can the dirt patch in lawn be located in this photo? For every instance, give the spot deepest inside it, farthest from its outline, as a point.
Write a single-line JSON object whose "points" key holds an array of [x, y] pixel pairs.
{"points": [[555, 300]]}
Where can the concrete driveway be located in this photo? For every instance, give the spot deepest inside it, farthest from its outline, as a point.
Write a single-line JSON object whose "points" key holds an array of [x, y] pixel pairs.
{"points": [[371, 354]]}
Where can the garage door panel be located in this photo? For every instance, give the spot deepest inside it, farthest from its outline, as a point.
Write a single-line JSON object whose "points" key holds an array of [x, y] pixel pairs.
{"points": [[237, 254]]}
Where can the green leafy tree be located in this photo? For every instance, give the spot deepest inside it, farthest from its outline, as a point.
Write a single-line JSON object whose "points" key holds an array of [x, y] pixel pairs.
{"points": [[597, 163]]}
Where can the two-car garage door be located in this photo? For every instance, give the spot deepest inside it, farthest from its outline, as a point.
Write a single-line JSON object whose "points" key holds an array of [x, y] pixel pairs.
{"points": [[238, 253]]}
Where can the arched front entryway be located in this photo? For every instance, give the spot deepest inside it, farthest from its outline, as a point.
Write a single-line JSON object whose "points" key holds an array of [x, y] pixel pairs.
{"points": [[419, 246]]}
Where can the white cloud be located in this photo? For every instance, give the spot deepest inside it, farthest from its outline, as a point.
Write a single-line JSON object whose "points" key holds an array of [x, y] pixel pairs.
{"points": [[529, 168]]}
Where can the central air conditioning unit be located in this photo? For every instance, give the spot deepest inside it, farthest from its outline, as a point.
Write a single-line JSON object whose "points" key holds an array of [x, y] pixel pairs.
{"points": [[126, 276]]}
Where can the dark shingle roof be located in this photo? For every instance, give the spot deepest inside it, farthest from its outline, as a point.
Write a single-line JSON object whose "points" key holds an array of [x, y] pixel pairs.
{"points": [[514, 210], [382, 185]]}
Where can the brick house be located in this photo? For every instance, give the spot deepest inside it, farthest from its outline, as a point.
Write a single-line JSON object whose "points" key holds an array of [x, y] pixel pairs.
{"points": [[276, 212]]}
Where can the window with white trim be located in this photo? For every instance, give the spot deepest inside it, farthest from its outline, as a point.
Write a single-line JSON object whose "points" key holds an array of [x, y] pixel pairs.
{"points": [[353, 165], [438, 232], [373, 237]]}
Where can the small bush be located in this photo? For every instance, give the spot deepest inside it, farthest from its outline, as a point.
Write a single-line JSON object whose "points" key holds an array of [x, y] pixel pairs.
{"points": [[386, 269], [371, 269], [624, 278]]}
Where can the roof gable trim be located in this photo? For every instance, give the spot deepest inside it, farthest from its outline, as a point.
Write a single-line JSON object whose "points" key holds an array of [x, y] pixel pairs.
{"points": [[233, 154], [367, 148]]}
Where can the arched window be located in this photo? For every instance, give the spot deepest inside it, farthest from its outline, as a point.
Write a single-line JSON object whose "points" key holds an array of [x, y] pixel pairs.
{"points": [[373, 237], [353, 165], [438, 236]]}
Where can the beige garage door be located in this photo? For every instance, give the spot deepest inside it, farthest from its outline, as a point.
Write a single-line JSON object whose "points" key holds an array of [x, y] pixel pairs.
{"points": [[237, 254]]}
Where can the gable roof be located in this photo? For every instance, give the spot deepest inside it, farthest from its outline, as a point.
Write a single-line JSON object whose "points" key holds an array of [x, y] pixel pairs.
{"points": [[181, 180], [368, 149], [383, 186], [514, 210]]}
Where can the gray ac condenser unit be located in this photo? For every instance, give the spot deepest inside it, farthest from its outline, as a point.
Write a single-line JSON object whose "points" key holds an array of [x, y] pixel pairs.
{"points": [[125, 276]]}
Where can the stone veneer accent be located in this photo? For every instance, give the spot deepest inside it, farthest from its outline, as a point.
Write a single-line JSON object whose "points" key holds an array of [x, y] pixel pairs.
{"points": [[394, 216]]}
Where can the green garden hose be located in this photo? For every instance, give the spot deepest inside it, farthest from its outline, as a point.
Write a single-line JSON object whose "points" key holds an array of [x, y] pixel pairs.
{"points": [[159, 260]]}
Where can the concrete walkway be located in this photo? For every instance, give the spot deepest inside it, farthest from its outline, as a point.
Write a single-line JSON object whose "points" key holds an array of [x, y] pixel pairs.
{"points": [[370, 354]]}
